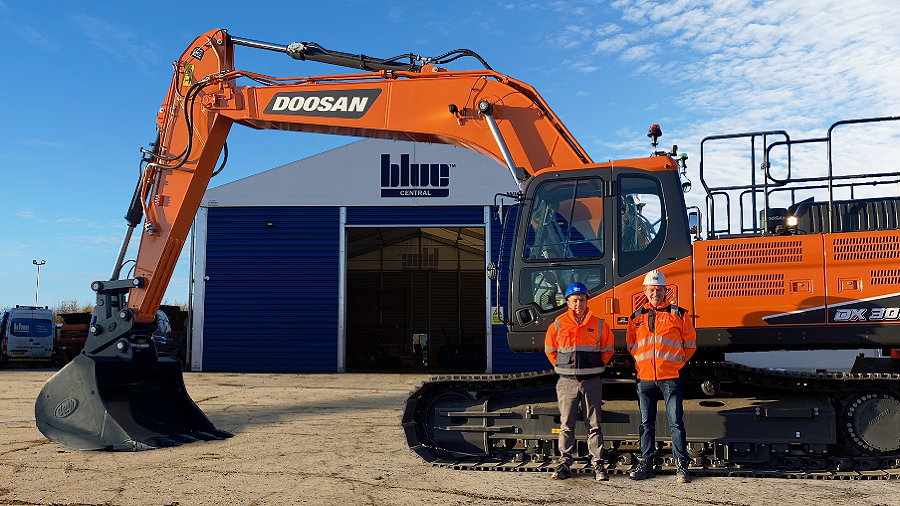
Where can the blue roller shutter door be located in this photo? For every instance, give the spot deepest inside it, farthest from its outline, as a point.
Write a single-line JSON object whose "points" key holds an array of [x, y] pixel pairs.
{"points": [[271, 301]]}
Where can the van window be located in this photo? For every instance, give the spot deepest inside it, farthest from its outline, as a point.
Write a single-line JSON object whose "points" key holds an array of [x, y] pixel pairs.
{"points": [[27, 327]]}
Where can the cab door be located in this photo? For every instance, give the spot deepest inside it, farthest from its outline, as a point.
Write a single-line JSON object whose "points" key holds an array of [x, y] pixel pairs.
{"points": [[650, 232], [563, 236]]}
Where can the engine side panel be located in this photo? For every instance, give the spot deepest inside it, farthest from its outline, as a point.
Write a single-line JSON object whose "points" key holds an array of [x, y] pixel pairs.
{"points": [[742, 282]]}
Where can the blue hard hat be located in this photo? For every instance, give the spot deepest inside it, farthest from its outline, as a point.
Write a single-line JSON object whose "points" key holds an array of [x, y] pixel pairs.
{"points": [[576, 288]]}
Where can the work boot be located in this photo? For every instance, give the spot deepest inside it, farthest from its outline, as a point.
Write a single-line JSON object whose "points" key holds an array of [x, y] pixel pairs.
{"points": [[682, 475], [643, 470], [600, 473], [561, 472]]}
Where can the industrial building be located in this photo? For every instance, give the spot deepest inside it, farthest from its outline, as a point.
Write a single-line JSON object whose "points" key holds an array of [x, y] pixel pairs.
{"points": [[368, 257]]}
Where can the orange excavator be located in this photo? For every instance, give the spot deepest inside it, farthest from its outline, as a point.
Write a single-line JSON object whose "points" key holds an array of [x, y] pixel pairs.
{"points": [[805, 276]]}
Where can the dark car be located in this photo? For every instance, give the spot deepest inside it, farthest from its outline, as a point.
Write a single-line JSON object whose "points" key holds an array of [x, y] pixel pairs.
{"points": [[166, 344]]}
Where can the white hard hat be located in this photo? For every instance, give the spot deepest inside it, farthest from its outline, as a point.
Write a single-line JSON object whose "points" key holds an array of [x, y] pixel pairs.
{"points": [[655, 278]]}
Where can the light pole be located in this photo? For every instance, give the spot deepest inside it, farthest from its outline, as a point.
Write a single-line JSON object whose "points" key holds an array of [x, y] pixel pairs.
{"points": [[37, 289]]}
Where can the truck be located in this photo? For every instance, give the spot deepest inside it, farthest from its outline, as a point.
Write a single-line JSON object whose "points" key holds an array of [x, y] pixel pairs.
{"points": [[805, 275], [168, 338], [26, 334], [71, 335]]}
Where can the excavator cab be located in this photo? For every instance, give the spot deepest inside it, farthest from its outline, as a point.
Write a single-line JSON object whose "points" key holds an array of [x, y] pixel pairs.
{"points": [[602, 226]]}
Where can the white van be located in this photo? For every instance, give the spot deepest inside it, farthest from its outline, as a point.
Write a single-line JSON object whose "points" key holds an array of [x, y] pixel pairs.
{"points": [[26, 334]]}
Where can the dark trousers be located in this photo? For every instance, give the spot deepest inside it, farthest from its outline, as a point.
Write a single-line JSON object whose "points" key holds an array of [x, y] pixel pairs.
{"points": [[586, 394], [673, 395]]}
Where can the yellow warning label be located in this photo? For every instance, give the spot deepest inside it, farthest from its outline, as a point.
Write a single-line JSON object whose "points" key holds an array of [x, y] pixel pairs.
{"points": [[555, 431], [496, 315], [188, 78]]}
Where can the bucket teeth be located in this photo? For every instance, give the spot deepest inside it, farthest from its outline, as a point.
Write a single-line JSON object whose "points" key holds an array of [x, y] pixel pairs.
{"points": [[165, 442], [206, 436], [183, 438]]}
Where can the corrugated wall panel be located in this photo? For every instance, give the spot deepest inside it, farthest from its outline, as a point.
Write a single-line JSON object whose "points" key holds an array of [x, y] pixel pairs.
{"points": [[416, 215], [272, 294], [505, 360]]}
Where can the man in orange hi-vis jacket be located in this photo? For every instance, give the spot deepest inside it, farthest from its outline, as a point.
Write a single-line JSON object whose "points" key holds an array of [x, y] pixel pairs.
{"points": [[579, 345], [661, 338]]}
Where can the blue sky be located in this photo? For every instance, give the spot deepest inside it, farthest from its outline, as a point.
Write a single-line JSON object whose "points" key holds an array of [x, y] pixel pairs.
{"points": [[84, 81]]}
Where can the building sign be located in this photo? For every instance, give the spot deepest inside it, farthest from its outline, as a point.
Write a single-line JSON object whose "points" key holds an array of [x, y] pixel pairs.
{"points": [[407, 179]]}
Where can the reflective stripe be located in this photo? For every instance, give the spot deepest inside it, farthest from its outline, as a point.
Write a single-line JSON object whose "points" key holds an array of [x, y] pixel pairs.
{"points": [[549, 349], [659, 340], [632, 346], [690, 344], [643, 356], [607, 348], [580, 347], [663, 355], [671, 356], [578, 372]]}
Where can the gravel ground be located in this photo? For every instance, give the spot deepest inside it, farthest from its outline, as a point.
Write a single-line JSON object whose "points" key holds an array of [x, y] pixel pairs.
{"points": [[328, 439]]}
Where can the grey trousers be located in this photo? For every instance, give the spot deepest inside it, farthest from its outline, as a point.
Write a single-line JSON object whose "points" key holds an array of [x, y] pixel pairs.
{"points": [[572, 394]]}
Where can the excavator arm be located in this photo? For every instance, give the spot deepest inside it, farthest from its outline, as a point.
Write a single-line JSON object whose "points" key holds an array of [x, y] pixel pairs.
{"points": [[118, 394], [481, 110]]}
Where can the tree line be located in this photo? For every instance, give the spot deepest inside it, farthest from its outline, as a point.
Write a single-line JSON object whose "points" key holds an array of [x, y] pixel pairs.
{"points": [[76, 306]]}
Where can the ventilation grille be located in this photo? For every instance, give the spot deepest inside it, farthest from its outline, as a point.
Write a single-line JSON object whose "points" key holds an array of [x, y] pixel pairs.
{"points": [[886, 277], [749, 285], [754, 253], [867, 248]]}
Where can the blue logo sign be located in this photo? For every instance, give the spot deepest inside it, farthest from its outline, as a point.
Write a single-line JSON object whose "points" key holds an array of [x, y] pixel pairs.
{"points": [[406, 179]]}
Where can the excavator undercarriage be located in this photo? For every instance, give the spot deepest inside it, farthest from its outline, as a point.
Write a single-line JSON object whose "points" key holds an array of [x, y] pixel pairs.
{"points": [[768, 424]]}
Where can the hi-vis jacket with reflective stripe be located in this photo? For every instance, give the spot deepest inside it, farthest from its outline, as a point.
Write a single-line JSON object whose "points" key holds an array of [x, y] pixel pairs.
{"points": [[575, 349], [661, 340]]}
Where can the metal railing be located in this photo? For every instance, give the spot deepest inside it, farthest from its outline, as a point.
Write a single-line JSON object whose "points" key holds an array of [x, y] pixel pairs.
{"points": [[753, 202]]}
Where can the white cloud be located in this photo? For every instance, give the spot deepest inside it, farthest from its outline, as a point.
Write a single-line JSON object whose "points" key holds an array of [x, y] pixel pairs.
{"points": [[14, 250], [733, 58], [639, 53], [118, 42], [18, 26], [48, 143]]}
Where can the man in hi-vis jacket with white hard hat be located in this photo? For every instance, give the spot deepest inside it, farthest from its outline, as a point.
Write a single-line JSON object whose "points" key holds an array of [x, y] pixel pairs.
{"points": [[661, 338], [579, 345]]}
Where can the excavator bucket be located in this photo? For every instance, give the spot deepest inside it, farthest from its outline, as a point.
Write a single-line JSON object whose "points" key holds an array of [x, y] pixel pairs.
{"points": [[100, 403]]}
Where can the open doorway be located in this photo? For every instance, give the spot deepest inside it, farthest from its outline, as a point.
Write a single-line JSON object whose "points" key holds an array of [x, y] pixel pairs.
{"points": [[415, 299]]}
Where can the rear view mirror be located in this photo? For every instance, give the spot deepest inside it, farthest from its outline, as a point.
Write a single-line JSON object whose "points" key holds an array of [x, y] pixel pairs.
{"points": [[694, 223]]}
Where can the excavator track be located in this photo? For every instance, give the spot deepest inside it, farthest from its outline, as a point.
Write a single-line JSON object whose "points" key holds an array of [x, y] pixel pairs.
{"points": [[504, 422]]}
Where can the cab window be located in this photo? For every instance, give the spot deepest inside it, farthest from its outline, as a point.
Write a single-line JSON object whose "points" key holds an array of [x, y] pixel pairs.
{"points": [[546, 286], [642, 222], [566, 221]]}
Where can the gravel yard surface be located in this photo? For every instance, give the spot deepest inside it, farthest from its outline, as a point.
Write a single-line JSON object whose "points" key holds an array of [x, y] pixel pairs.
{"points": [[329, 439]]}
